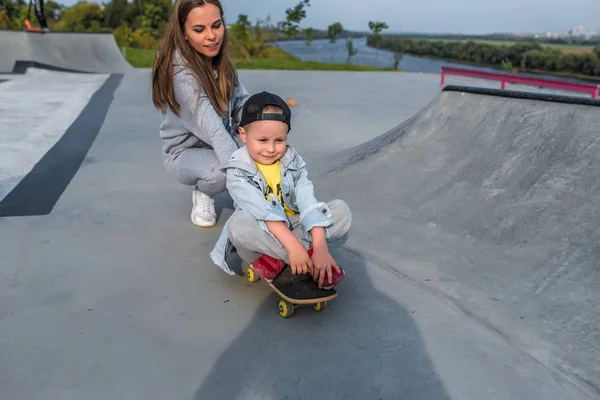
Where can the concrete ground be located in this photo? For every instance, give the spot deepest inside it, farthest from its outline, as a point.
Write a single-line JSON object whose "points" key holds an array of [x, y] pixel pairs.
{"points": [[36, 111], [112, 294]]}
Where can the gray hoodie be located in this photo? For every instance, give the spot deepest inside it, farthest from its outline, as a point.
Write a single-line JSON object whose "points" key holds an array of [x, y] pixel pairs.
{"points": [[198, 124]]}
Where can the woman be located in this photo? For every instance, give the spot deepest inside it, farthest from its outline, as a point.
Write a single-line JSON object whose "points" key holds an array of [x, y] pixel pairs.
{"points": [[196, 87]]}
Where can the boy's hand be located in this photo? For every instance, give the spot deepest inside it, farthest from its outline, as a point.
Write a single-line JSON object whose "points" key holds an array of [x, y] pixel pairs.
{"points": [[323, 263], [300, 261]]}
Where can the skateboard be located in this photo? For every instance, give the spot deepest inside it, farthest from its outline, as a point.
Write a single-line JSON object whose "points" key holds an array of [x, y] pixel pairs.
{"points": [[295, 291]]}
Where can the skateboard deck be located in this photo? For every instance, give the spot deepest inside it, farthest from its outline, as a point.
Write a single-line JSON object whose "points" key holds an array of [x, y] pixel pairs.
{"points": [[296, 290]]}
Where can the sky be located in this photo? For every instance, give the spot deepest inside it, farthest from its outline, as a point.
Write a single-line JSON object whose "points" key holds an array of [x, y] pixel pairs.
{"points": [[433, 16], [430, 16]]}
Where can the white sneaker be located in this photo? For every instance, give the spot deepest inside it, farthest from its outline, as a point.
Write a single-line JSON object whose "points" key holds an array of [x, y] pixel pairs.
{"points": [[203, 211]]}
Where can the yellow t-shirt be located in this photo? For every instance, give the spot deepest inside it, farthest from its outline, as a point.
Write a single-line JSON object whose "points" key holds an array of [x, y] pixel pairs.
{"points": [[272, 174]]}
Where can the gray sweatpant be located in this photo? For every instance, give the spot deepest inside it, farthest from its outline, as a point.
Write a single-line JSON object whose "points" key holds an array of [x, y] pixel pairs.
{"points": [[251, 241], [198, 167]]}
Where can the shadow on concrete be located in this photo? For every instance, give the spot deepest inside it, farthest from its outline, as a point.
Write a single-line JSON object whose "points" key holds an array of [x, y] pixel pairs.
{"points": [[363, 346]]}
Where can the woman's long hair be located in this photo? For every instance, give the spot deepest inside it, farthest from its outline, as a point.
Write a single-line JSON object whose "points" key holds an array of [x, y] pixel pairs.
{"points": [[219, 90]]}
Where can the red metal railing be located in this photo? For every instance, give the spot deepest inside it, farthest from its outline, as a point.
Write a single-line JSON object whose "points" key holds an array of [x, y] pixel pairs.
{"points": [[504, 78]]}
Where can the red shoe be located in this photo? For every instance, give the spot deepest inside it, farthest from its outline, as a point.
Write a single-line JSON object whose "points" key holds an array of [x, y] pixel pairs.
{"points": [[336, 277], [268, 267]]}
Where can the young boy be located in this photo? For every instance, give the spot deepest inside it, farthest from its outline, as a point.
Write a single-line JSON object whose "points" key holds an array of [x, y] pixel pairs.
{"points": [[278, 220]]}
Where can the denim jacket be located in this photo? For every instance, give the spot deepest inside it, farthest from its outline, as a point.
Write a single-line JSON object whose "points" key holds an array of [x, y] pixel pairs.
{"points": [[246, 186]]}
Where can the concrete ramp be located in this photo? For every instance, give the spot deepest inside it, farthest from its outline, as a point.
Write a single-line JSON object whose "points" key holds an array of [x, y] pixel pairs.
{"points": [[492, 203], [61, 51], [13, 48]]}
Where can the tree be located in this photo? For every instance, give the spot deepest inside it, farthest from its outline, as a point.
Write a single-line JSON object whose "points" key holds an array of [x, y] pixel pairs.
{"points": [[376, 27], [397, 59], [271, 35], [244, 22], [293, 18], [351, 49], [507, 66], [310, 32], [240, 32], [13, 14], [123, 36], [257, 31], [11, 9], [257, 44], [115, 13], [53, 10], [82, 17], [4, 20], [333, 31], [155, 16]]}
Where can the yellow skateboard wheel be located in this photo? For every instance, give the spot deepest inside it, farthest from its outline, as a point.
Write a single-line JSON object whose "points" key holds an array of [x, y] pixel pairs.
{"points": [[251, 275], [320, 306], [286, 309]]}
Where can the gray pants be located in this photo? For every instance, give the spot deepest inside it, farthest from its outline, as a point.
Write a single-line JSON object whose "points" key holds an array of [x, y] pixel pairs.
{"points": [[251, 241], [198, 167]]}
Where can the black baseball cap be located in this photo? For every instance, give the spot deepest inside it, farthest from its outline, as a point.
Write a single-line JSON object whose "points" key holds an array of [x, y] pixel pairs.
{"points": [[253, 109]]}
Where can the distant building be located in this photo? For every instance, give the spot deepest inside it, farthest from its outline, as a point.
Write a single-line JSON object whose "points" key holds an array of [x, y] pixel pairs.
{"points": [[577, 31], [281, 26], [551, 35]]}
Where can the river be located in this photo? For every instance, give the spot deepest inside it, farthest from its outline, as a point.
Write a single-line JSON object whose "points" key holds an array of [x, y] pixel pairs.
{"points": [[322, 50]]}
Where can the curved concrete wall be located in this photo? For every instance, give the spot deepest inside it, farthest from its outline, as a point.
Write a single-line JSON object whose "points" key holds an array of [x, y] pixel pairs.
{"points": [[63, 51], [492, 203], [13, 47]]}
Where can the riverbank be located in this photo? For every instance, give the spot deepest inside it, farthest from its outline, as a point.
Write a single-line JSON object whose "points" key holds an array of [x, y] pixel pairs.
{"points": [[528, 72], [140, 58], [565, 48], [530, 58]]}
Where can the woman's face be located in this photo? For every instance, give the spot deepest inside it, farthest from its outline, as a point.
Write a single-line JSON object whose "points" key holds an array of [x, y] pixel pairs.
{"points": [[204, 29]]}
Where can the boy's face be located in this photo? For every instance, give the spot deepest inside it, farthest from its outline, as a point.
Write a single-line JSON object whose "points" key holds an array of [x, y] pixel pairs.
{"points": [[266, 141]]}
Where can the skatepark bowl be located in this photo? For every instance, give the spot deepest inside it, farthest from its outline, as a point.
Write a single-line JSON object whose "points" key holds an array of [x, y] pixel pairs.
{"points": [[472, 264]]}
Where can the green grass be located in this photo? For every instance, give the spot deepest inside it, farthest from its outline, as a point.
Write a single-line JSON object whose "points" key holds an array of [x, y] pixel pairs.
{"points": [[140, 58]]}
